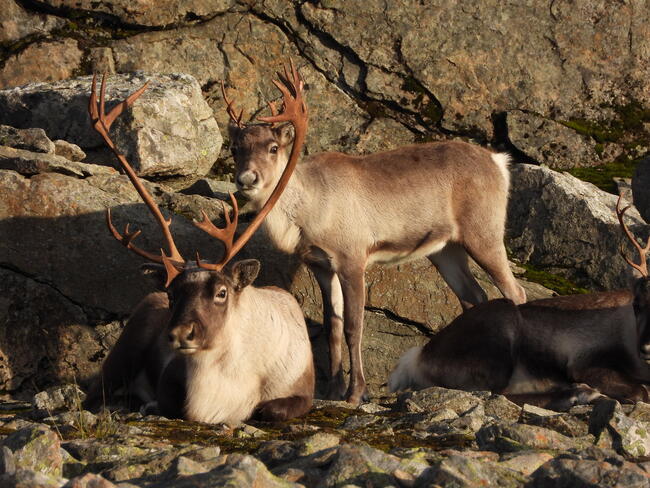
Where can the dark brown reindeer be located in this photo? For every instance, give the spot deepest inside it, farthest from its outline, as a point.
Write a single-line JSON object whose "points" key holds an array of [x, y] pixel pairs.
{"points": [[211, 348], [341, 213], [554, 352]]}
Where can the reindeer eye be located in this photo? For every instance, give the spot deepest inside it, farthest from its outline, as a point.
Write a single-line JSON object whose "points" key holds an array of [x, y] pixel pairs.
{"points": [[273, 149], [221, 295]]}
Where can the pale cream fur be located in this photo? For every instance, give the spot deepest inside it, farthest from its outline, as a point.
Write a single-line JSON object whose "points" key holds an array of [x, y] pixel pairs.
{"points": [[266, 345]]}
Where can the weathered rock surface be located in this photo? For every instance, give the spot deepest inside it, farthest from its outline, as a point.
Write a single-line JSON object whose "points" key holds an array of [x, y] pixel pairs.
{"points": [[16, 23], [567, 226], [641, 188], [170, 128], [332, 446], [29, 139], [630, 436]]}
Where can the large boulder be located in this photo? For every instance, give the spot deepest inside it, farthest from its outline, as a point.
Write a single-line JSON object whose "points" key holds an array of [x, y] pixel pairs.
{"points": [[170, 129], [567, 226]]}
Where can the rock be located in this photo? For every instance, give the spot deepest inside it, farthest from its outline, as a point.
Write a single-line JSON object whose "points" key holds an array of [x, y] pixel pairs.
{"points": [[503, 437], [525, 462], [43, 61], [438, 398], [550, 142], [24, 478], [564, 423], [7, 461], [567, 473], [151, 14], [89, 480], [67, 396], [36, 448], [463, 471], [501, 408], [30, 139], [641, 188], [631, 437], [567, 226], [352, 464], [29, 163], [185, 140], [68, 150], [211, 188], [17, 23]]}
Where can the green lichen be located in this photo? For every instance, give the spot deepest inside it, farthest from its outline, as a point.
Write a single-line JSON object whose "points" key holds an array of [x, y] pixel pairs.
{"points": [[558, 284], [603, 175]]}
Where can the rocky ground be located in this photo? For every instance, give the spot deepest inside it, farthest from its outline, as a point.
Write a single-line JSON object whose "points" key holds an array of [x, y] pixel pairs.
{"points": [[434, 437]]}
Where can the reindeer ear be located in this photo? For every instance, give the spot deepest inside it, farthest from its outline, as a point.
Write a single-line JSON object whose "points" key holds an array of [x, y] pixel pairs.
{"points": [[244, 272], [233, 131], [285, 133], [156, 273]]}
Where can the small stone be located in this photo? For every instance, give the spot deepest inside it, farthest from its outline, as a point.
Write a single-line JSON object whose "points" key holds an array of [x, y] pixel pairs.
{"points": [[525, 462], [89, 480], [66, 396], [631, 436], [34, 140], [68, 150], [36, 448], [7, 461]]}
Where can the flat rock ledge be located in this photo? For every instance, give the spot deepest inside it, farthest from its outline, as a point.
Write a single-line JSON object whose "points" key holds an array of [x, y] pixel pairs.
{"points": [[434, 437]]}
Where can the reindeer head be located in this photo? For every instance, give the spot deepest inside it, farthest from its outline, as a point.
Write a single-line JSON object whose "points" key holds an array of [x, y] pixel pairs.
{"points": [[203, 303], [262, 151], [201, 296]]}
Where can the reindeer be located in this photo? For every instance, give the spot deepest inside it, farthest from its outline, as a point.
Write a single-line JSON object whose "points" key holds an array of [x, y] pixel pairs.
{"points": [[340, 213], [209, 346], [554, 352]]}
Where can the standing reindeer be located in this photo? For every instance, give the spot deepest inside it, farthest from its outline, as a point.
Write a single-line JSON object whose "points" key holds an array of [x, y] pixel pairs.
{"points": [[341, 213], [210, 347], [554, 352]]}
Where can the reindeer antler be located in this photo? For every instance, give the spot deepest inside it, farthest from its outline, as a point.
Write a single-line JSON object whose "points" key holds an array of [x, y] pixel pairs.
{"points": [[642, 267], [294, 111], [237, 119]]}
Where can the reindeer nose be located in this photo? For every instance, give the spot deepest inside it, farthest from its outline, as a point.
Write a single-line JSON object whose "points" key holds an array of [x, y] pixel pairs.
{"points": [[182, 335], [247, 178]]}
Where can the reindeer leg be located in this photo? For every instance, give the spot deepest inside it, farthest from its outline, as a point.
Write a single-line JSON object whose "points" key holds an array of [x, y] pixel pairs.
{"points": [[283, 408], [614, 384], [491, 256], [451, 263], [333, 321], [353, 287], [558, 400]]}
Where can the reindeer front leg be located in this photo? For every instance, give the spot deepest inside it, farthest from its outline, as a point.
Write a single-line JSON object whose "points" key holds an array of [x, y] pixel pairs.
{"points": [[352, 281]]}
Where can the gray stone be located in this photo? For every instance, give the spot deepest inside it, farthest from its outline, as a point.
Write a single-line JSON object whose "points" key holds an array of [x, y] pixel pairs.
{"points": [[68, 150], [641, 188], [564, 423], [186, 140], [565, 225], [89, 480], [36, 448], [30, 139], [58, 397], [438, 398], [43, 61], [525, 462], [568, 473], [631, 437], [7, 461], [25, 478], [461, 471], [31, 163], [501, 408], [16, 23], [503, 437], [550, 142]]}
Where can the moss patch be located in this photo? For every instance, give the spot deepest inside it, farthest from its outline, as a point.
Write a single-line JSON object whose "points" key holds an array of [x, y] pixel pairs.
{"points": [[558, 284], [603, 175]]}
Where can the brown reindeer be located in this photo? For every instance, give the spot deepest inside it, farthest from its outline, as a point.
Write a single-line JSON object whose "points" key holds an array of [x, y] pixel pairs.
{"points": [[554, 352], [341, 213], [210, 347]]}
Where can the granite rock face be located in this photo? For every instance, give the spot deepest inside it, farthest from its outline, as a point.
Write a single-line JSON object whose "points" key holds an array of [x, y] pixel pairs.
{"points": [[170, 129]]}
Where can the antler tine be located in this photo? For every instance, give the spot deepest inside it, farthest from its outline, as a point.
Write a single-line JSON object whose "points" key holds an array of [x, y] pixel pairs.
{"points": [[225, 235], [642, 266], [101, 123], [237, 119]]}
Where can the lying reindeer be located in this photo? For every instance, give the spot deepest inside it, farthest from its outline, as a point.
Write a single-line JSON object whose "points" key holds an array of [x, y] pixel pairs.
{"points": [[212, 348], [341, 213], [554, 352]]}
